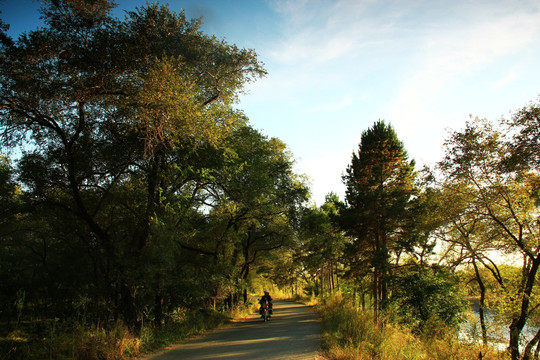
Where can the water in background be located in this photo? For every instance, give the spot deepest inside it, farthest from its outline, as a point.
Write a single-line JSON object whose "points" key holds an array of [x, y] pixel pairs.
{"points": [[498, 332]]}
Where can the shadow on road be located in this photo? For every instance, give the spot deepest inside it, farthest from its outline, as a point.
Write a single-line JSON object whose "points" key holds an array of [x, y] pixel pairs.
{"points": [[291, 333]]}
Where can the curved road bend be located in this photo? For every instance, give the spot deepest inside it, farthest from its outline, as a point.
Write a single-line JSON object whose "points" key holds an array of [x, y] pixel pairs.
{"points": [[291, 333]]}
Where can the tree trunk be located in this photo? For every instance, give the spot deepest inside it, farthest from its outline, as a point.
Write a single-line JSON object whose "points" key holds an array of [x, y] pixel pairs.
{"points": [[513, 347], [537, 351], [528, 349], [337, 276], [363, 301], [383, 283], [517, 325], [384, 272], [229, 301], [245, 276], [482, 304], [331, 278], [376, 295], [158, 311], [322, 282], [129, 310]]}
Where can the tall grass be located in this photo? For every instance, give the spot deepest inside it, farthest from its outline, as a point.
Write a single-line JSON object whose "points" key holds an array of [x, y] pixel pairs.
{"points": [[349, 333], [68, 340], [62, 340]]}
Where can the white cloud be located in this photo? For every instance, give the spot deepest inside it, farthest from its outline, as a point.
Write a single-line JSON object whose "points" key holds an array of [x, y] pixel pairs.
{"points": [[317, 32], [457, 57], [422, 65], [501, 83]]}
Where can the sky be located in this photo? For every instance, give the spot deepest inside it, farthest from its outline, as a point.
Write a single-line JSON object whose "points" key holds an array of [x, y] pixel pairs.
{"points": [[335, 67]]}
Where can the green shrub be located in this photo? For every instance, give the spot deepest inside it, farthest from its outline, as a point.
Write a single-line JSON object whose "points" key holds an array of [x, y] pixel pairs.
{"points": [[348, 333], [70, 340], [428, 299]]}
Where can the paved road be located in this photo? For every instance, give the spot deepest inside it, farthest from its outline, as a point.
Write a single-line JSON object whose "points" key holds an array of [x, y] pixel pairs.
{"points": [[292, 333]]}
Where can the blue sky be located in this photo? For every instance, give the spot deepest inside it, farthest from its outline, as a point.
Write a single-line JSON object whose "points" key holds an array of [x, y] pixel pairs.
{"points": [[337, 66]]}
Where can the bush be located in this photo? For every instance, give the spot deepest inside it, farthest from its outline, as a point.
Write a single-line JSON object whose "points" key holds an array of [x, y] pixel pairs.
{"points": [[428, 299], [70, 340], [348, 333]]}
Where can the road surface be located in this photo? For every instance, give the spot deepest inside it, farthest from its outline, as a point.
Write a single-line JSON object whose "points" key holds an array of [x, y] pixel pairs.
{"points": [[292, 333]]}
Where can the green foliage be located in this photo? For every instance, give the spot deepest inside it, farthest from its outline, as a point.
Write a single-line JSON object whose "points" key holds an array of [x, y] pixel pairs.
{"points": [[72, 340], [322, 244], [525, 152], [426, 298], [347, 333], [141, 190], [380, 183], [126, 126], [379, 197], [489, 177], [144, 190]]}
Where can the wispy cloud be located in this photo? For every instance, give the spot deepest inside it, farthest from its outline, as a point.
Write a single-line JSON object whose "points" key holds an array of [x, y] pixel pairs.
{"points": [[422, 65], [317, 32], [456, 56], [457, 34], [501, 83]]}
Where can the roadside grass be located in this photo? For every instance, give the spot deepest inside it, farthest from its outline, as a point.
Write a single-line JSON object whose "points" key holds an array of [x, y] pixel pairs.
{"points": [[346, 333], [63, 340], [349, 333]]}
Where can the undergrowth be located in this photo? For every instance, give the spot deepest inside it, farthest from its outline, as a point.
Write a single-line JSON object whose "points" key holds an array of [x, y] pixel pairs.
{"points": [[349, 333], [63, 340]]}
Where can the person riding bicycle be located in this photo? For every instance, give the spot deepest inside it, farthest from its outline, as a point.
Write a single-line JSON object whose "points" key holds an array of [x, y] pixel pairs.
{"points": [[268, 298]]}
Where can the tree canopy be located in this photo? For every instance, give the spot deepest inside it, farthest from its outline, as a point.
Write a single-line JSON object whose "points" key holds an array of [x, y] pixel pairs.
{"points": [[142, 186], [380, 187], [132, 187]]}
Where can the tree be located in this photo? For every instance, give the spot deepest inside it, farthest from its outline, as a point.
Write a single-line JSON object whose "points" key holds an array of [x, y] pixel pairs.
{"points": [[254, 200], [524, 145], [322, 243], [111, 110], [10, 207], [480, 169], [380, 187], [425, 297]]}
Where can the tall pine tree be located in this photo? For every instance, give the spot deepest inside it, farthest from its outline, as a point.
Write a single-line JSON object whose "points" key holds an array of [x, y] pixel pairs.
{"points": [[380, 187]]}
